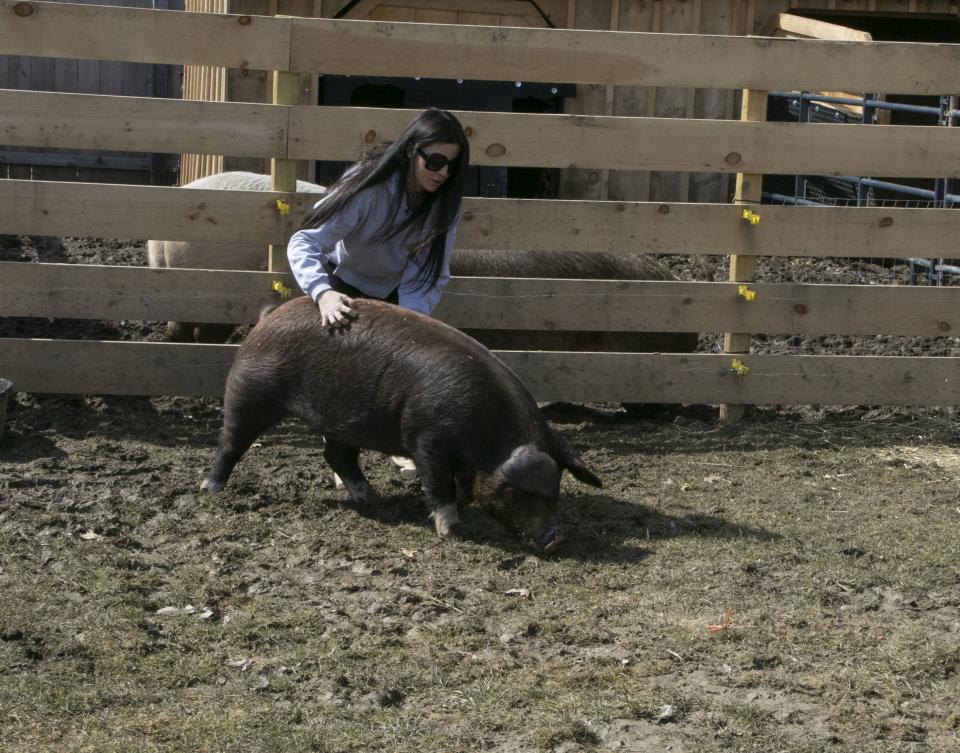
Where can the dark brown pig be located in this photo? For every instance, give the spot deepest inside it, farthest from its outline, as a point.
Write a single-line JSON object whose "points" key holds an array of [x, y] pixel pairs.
{"points": [[403, 384]]}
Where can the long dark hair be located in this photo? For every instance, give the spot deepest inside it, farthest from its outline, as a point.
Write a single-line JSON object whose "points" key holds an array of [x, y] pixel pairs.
{"points": [[430, 127]]}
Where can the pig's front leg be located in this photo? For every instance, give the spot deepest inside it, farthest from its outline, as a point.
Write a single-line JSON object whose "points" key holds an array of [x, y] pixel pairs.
{"points": [[343, 459], [440, 491]]}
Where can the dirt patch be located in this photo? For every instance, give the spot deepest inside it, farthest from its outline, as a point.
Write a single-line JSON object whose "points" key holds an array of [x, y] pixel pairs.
{"points": [[788, 584]]}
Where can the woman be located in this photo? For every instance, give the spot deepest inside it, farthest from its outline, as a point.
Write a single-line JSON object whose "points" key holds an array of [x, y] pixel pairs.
{"points": [[386, 228]]}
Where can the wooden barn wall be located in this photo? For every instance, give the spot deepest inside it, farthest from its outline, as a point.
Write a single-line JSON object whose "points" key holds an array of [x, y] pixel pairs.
{"points": [[90, 77], [206, 84]]}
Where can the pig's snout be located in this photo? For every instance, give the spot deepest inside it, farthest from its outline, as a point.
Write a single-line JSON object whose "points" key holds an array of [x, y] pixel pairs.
{"points": [[552, 539]]}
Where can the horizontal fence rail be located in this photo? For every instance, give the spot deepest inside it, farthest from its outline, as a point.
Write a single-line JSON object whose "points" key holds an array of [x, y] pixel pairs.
{"points": [[87, 121], [32, 207], [145, 212], [130, 368], [107, 292], [327, 46]]}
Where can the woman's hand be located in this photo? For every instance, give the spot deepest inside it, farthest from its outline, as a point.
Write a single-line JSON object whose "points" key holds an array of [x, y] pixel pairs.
{"points": [[336, 309]]}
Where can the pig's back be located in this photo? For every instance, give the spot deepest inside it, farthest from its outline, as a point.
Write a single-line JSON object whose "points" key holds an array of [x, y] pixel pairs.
{"points": [[391, 368]]}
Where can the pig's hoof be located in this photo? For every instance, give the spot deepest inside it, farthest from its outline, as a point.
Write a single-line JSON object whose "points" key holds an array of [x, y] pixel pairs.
{"points": [[552, 540], [337, 482], [209, 485], [408, 469], [445, 519], [363, 494]]}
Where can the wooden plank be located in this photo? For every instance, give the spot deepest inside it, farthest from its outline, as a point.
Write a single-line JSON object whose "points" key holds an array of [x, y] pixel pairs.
{"points": [[110, 161], [428, 16], [614, 25], [283, 172], [673, 306], [41, 74], [742, 268], [107, 368], [675, 144], [81, 291], [363, 9], [670, 103], [478, 19], [83, 121], [508, 7], [716, 18], [709, 378], [390, 13], [787, 24], [134, 368], [97, 32], [87, 291], [65, 76], [143, 212], [104, 211], [522, 21], [595, 57], [631, 101], [576, 182]]}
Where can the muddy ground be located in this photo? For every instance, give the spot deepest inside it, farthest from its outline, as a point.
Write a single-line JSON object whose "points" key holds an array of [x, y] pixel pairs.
{"points": [[791, 583]]}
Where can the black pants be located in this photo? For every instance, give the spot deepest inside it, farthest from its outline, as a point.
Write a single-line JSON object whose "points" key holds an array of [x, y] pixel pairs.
{"points": [[342, 287]]}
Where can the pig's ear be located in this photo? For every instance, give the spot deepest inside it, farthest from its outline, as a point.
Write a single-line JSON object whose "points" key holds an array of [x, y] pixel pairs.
{"points": [[572, 461], [532, 471]]}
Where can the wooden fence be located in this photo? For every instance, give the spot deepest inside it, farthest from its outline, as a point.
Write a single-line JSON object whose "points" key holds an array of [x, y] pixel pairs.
{"points": [[289, 132]]}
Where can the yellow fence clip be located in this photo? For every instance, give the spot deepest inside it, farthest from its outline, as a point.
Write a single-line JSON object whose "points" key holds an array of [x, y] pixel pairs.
{"points": [[282, 289], [283, 207], [738, 367], [750, 216], [744, 292]]}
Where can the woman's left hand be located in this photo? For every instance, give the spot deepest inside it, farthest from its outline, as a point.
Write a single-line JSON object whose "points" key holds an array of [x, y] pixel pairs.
{"points": [[336, 309]]}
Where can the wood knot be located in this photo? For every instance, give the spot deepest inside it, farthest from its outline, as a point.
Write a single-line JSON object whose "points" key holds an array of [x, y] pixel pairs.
{"points": [[496, 150], [467, 216], [369, 136], [23, 9], [733, 158], [664, 209], [468, 132], [800, 308], [621, 208], [687, 301], [593, 178], [244, 20], [943, 326], [885, 221]]}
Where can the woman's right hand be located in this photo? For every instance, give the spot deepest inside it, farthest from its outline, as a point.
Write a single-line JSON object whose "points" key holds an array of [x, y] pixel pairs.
{"points": [[336, 309]]}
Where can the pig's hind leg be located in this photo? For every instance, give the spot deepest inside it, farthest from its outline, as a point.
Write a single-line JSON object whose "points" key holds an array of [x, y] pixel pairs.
{"points": [[344, 460], [240, 429]]}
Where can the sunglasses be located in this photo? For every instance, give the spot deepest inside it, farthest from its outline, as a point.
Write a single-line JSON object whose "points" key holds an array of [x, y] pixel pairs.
{"points": [[435, 162]]}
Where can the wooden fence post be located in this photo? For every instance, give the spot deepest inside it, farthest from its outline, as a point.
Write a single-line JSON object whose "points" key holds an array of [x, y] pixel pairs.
{"points": [[283, 172], [742, 268]]}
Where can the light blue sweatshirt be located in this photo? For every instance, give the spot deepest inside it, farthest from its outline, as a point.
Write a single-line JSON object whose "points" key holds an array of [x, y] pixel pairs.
{"points": [[374, 267]]}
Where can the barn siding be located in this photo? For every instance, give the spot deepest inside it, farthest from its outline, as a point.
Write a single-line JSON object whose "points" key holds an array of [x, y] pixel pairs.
{"points": [[90, 77]]}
